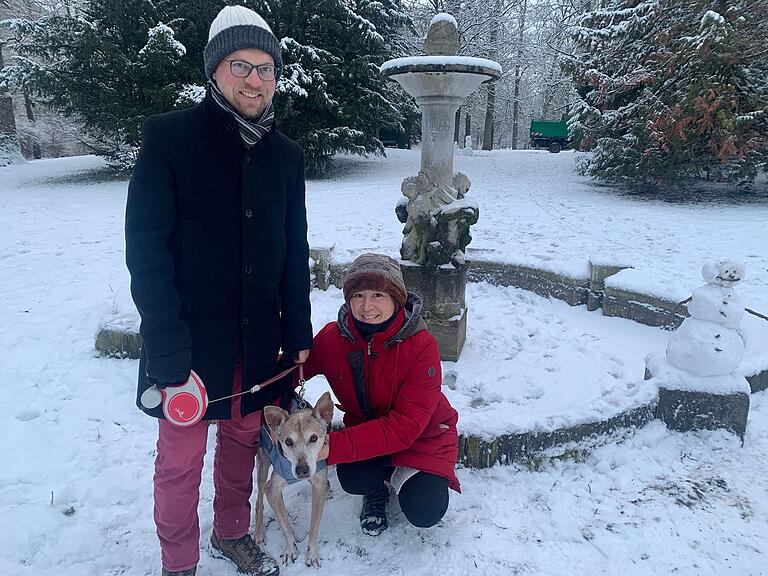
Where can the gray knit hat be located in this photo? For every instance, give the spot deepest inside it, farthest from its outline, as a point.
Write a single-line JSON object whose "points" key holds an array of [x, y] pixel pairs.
{"points": [[375, 272], [235, 28]]}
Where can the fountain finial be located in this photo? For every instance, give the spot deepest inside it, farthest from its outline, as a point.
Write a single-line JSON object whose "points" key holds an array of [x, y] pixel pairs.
{"points": [[442, 36]]}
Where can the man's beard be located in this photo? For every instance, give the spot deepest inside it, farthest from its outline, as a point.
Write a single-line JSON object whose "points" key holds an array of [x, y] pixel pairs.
{"points": [[251, 115]]}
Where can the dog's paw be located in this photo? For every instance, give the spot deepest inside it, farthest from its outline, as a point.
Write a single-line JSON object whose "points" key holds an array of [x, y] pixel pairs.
{"points": [[312, 559], [289, 554], [259, 538]]}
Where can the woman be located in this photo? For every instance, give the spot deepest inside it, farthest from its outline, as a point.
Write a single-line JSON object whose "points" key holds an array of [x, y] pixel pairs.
{"points": [[384, 368]]}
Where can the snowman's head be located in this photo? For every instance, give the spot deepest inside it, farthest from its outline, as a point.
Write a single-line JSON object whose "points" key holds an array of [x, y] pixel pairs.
{"points": [[724, 273]]}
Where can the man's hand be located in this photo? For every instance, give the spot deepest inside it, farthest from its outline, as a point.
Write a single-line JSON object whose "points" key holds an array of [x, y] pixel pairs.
{"points": [[170, 369], [302, 356]]}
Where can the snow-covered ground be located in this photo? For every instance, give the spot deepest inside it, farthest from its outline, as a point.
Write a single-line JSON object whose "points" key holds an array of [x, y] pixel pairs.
{"points": [[75, 485]]}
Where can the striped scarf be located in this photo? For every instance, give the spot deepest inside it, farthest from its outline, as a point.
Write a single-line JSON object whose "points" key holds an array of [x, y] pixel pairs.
{"points": [[251, 131]]}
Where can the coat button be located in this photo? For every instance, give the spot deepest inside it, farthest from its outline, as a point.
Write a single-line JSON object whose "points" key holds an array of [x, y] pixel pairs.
{"points": [[248, 213], [248, 269], [245, 321]]}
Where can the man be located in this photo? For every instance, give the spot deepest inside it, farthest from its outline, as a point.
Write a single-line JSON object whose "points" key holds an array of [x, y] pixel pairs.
{"points": [[216, 244]]}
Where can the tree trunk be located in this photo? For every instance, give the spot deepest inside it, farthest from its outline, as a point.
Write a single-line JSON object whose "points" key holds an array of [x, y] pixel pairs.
{"points": [[467, 124], [549, 88], [457, 126], [489, 115], [516, 108], [9, 140], [518, 75], [36, 153], [490, 107]]}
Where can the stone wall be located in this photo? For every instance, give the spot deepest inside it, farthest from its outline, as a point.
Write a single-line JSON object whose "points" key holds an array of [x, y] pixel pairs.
{"points": [[642, 308], [476, 452]]}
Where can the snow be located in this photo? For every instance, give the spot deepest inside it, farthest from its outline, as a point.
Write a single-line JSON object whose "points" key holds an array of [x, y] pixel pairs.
{"points": [[705, 348], [674, 378], [708, 347], [460, 204], [443, 17], [75, 485], [640, 281], [163, 34], [440, 61], [10, 153], [710, 16], [191, 93]]}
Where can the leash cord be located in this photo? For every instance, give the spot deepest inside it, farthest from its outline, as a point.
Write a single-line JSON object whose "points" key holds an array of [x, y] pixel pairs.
{"points": [[255, 388]]}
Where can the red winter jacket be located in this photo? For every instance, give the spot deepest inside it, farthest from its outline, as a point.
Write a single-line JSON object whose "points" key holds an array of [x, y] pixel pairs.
{"points": [[389, 390]]}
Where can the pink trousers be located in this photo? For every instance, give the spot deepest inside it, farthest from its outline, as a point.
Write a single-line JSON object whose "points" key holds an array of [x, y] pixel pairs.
{"points": [[178, 470]]}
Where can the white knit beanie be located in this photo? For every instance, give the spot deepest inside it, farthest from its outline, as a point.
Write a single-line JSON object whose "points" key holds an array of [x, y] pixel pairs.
{"points": [[235, 28]]}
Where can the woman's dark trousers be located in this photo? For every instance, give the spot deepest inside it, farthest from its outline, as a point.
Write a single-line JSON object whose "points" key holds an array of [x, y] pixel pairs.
{"points": [[423, 498]]}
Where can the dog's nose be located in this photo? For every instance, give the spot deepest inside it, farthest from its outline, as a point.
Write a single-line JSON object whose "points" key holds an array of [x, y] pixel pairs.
{"points": [[302, 470]]}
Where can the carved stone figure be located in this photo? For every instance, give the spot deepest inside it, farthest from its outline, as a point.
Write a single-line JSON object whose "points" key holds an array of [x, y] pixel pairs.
{"points": [[436, 227]]}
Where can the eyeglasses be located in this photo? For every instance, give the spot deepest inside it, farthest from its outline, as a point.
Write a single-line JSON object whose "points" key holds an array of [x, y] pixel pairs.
{"points": [[243, 69]]}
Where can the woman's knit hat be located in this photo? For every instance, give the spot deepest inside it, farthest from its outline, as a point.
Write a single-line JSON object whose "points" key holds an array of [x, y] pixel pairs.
{"points": [[375, 272], [235, 28]]}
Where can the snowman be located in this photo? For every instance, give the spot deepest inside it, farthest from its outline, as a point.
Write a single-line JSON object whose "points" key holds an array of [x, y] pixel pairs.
{"points": [[710, 342]]}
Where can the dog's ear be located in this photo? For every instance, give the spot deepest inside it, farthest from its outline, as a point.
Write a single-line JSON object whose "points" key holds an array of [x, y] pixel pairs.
{"points": [[323, 409], [274, 417]]}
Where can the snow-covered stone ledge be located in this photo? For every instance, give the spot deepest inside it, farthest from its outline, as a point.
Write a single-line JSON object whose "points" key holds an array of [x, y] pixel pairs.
{"points": [[528, 448]]}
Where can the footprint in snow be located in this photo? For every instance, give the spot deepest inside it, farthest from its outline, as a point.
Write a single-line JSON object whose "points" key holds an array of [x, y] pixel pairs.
{"points": [[27, 415]]}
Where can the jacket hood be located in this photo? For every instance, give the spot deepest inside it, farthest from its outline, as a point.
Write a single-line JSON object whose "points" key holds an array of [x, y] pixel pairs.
{"points": [[413, 323]]}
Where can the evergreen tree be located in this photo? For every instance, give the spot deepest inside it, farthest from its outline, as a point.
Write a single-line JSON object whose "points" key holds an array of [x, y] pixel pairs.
{"points": [[672, 91], [109, 65]]}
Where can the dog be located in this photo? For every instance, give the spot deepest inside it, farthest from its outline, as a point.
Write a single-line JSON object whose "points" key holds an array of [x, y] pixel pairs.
{"points": [[299, 437]]}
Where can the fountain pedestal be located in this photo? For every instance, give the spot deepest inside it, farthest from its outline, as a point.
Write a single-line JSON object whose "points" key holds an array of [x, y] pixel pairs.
{"points": [[445, 311]]}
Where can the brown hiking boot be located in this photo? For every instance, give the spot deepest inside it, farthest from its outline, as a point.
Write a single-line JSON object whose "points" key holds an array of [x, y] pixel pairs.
{"points": [[190, 572], [248, 557]]}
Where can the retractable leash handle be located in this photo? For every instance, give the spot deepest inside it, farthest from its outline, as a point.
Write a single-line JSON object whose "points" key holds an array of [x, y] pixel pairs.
{"points": [[183, 405]]}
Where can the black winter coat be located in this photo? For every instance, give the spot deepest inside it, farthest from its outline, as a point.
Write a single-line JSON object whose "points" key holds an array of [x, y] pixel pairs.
{"points": [[216, 244]]}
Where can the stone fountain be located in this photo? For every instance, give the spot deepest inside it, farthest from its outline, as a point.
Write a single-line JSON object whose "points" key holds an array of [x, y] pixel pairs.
{"points": [[434, 209]]}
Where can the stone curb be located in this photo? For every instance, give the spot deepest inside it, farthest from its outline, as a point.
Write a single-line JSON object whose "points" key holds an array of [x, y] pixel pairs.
{"points": [[476, 452], [758, 382], [642, 308]]}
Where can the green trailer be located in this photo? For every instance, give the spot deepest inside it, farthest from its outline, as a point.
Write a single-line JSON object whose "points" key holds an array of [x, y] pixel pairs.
{"points": [[550, 134]]}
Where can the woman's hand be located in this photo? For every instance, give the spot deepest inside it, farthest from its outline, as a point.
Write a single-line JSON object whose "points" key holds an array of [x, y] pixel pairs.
{"points": [[323, 454]]}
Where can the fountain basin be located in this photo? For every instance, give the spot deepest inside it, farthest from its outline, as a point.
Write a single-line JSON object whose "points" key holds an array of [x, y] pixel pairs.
{"points": [[453, 76]]}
